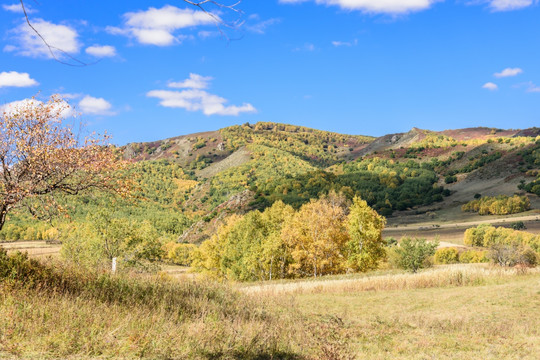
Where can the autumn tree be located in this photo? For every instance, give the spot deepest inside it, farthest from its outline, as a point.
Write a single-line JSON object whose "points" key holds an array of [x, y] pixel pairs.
{"points": [[316, 238], [247, 247], [42, 156], [366, 246]]}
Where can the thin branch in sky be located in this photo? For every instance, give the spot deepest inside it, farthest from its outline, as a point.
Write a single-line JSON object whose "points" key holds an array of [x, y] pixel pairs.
{"points": [[199, 4]]}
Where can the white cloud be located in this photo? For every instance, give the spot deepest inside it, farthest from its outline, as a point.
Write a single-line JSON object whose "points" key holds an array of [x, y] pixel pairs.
{"points": [[345, 43], [17, 8], [65, 110], [158, 26], [509, 5], [490, 86], [101, 51], [259, 27], [193, 98], [16, 79], [374, 6], [195, 81], [508, 72], [205, 34], [95, 106], [533, 88], [28, 43]]}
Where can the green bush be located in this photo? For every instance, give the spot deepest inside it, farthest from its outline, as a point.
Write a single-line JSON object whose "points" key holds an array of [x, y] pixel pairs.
{"points": [[518, 225], [414, 254], [446, 256], [449, 179]]}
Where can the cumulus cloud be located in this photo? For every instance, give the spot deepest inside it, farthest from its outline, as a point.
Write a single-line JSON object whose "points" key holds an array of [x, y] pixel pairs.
{"points": [[490, 86], [158, 26], [508, 72], [374, 6], [195, 81], [95, 106], [509, 5], [16, 79], [28, 43], [194, 98], [14, 107], [101, 51]]}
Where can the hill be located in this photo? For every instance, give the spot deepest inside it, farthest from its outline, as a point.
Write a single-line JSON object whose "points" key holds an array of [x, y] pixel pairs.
{"points": [[188, 185]]}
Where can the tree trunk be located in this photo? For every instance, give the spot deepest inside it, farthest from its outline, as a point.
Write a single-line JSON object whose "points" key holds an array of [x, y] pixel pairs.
{"points": [[3, 215]]}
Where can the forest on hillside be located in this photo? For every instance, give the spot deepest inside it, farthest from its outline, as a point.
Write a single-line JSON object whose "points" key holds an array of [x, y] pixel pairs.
{"points": [[288, 165]]}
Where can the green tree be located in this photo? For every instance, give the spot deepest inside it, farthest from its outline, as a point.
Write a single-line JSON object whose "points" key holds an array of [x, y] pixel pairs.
{"points": [[414, 253], [366, 246], [247, 247]]}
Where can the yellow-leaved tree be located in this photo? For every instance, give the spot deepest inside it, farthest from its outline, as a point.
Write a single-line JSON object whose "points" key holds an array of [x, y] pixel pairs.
{"points": [[247, 247], [365, 248], [316, 238]]}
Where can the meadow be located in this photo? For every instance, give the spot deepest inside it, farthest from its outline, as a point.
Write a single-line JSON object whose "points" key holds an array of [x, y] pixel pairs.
{"points": [[477, 311]]}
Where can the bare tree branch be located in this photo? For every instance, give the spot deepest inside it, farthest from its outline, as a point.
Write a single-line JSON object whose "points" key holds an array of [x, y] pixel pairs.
{"points": [[77, 63], [199, 4]]}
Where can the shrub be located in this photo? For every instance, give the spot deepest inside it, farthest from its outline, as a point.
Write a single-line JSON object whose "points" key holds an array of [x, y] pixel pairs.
{"points": [[179, 254], [511, 255], [473, 256], [475, 236], [498, 205], [413, 254], [518, 225], [446, 256], [450, 179], [390, 241], [487, 235]]}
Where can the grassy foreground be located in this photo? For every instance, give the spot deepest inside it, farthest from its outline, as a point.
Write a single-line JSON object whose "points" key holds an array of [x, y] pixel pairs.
{"points": [[494, 318], [49, 310]]}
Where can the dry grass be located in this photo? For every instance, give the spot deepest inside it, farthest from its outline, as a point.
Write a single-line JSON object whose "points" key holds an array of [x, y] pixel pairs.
{"points": [[451, 312], [496, 321], [37, 325], [49, 310], [33, 248], [440, 276]]}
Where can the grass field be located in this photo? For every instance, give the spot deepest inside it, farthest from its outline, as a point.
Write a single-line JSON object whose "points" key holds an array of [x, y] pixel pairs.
{"points": [[33, 248], [495, 321], [453, 231], [496, 318], [448, 312]]}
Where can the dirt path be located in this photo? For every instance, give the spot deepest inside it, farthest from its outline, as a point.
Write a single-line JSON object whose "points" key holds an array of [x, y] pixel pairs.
{"points": [[33, 248], [428, 226]]}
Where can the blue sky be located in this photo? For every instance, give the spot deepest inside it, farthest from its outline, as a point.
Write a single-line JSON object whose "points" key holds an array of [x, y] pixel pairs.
{"points": [[353, 66]]}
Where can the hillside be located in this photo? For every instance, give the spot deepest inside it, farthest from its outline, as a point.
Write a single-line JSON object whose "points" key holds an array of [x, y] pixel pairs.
{"points": [[188, 185]]}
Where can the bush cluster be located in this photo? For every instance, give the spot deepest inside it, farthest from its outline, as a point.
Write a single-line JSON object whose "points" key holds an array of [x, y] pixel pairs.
{"points": [[498, 205], [507, 247]]}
